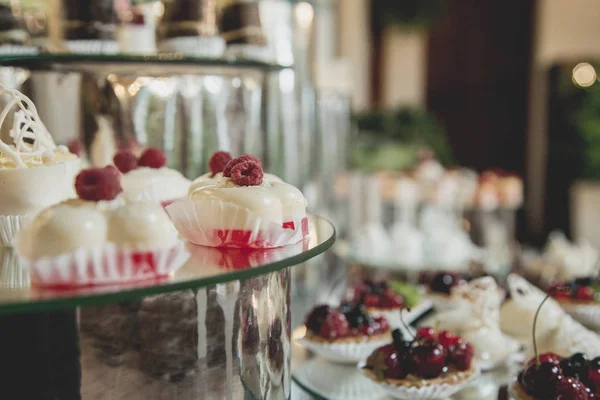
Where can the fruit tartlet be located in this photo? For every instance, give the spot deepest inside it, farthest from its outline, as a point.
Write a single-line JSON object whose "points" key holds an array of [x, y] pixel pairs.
{"points": [[148, 179], [34, 172], [381, 299], [98, 239], [581, 299], [431, 366], [217, 164], [345, 334], [242, 210], [552, 377], [439, 288]]}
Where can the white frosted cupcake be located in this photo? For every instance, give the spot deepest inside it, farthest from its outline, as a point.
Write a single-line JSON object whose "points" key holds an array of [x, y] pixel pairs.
{"points": [[148, 179], [98, 239], [242, 210], [34, 172]]}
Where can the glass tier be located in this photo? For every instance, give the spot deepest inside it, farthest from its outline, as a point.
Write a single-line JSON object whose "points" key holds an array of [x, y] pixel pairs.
{"points": [[139, 65], [205, 266]]}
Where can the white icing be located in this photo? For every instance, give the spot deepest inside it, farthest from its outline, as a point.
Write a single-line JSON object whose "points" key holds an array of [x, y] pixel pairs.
{"points": [[26, 125], [75, 224], [208, 180], [155, 184], [272, 201], [565, 260]]}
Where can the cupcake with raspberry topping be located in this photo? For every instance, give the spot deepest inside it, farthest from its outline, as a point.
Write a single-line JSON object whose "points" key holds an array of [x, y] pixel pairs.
{"points": [[346, 334], [581, 299], [439, 286], [217, 164], [430, 366], [242, 210], [146, 178], [99, 239]]}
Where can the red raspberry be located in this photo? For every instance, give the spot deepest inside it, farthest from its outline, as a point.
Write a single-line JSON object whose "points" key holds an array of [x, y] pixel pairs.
{"points": [[585, 293], [461, 355], [238, 160], [97, 184], [546, 357], [152, 158], [391, 301], [247, 173], [125, 161], [426, 332], [219, 161], [335, 325]]}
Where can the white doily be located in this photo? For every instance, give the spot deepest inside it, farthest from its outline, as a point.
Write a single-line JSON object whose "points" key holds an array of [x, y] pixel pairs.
{"points": [[28, 133]]}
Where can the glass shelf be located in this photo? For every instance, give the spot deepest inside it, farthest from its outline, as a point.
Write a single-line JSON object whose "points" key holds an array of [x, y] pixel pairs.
{"points": [[205, 266], [138, 65]]}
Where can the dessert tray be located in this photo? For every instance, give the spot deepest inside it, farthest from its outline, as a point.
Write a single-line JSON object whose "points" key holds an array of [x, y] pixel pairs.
{"points": [[205, 266]]}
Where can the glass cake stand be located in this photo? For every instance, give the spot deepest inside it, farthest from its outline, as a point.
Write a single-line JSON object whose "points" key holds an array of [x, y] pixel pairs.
{"points": [[219, 328]]}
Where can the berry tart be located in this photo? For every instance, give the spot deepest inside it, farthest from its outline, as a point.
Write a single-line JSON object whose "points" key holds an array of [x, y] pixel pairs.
{"points": [[439, 288], [381, 299], [98, 239], [431, 366], [581, 299], [217, 163], [148, 179], [242, 210], [34, 172], [550, 376], [345, 334]]}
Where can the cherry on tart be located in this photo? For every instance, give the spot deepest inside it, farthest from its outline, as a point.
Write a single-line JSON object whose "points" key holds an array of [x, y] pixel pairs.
{"points": [[345, 333], [98, 239], [242, 209], [432, 365], [146, 178], [549, 376]]}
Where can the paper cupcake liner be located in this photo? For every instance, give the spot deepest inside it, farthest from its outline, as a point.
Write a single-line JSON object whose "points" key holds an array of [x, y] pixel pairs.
{"points": [[206, 46], [216, 223], [437, 391], [587, 314], [10, 225], [344, 353], [104, 265], [11, 49], [11, 274], [93, 46]]}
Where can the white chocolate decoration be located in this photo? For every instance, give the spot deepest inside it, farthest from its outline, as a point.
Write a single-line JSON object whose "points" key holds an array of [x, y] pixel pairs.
{"points": [[208, 180], [156, 184], [76, 224], [272, 201]]}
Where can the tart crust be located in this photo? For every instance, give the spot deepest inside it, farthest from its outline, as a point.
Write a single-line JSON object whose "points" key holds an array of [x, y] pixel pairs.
{"points": [[450, 377], [352, 339], [576, 302]]}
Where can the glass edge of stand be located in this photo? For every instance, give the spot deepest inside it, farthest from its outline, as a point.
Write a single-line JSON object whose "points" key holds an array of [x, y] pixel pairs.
{"points": [[59, 303], [156, 63], [306, 389]]}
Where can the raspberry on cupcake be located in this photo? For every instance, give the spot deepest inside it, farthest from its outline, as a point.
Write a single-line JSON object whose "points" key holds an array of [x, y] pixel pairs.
{"points": [[242, 209], [429, 366], [98, 239], [345, 333], [146, 178]]}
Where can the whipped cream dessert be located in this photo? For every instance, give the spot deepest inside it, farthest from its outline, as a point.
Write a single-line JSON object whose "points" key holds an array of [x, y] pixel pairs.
{"points": [[34, 172], [98, 238], [148, 179], [242, 209]]}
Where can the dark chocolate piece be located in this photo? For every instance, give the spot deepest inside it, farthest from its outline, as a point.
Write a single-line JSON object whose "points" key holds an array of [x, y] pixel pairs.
{"points": [[240, 24], [185, 18]]}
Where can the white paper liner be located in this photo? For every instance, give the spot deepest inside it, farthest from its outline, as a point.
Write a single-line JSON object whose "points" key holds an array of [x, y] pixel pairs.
{"points": [[587, 314], [201, 46], [428, 392], [344, 353], [93, 46], [104, 265], [216, 223], [16, 50], [11, 274], [10, 225]]}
